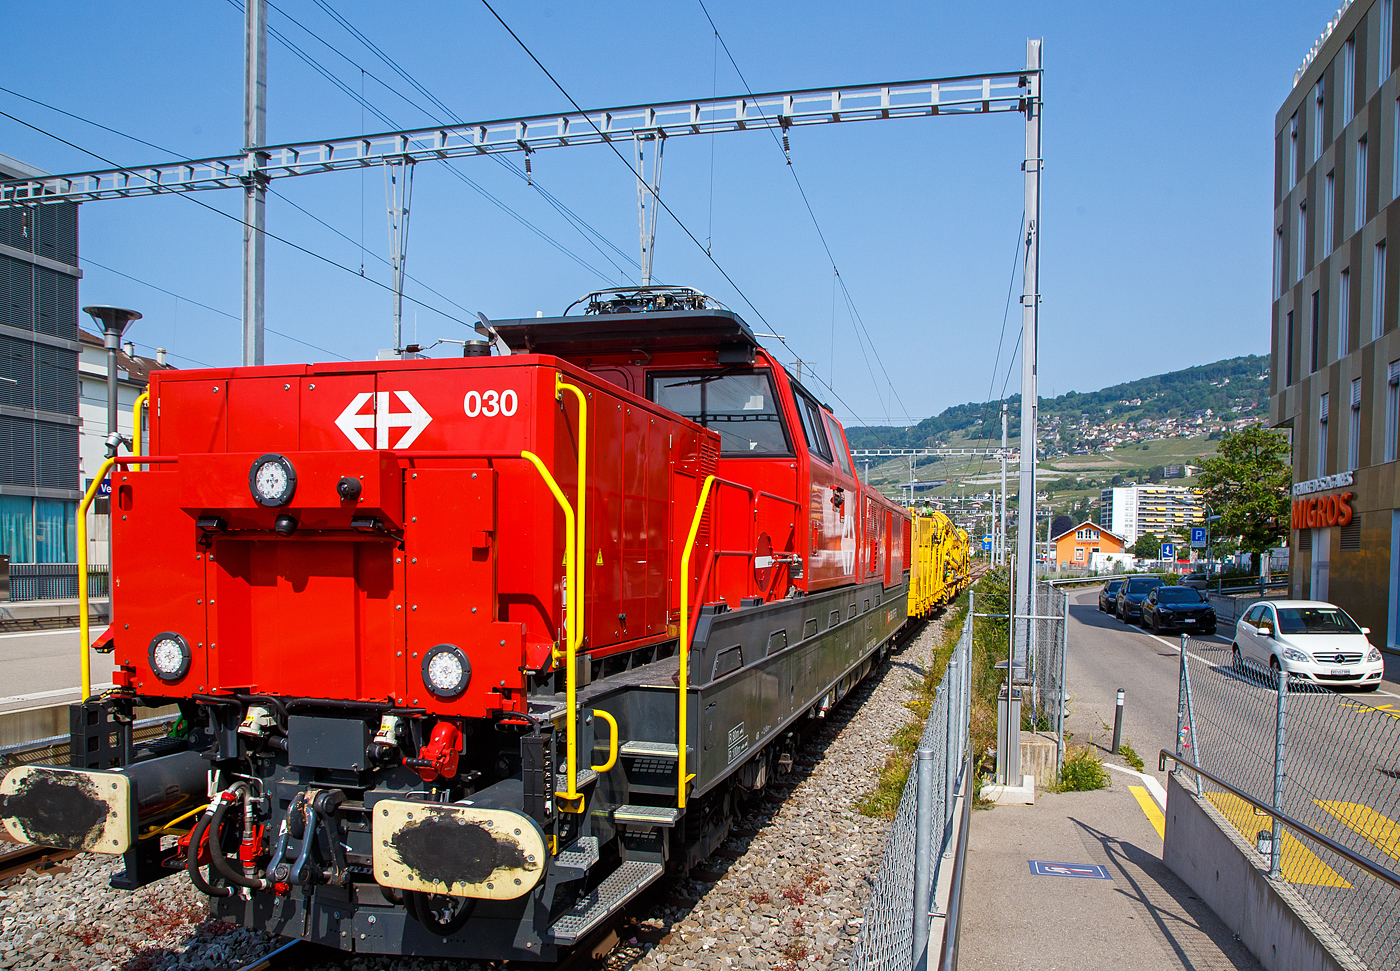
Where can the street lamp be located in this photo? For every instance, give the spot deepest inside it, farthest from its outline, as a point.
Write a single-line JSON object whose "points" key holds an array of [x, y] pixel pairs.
{"points": [[113, 321]]}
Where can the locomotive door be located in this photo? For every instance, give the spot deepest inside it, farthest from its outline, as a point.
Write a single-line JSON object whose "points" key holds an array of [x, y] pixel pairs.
{"points": [[834, 504]]}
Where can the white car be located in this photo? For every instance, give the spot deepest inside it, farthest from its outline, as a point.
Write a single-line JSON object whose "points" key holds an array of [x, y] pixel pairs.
{"points": [[1309, 639]]}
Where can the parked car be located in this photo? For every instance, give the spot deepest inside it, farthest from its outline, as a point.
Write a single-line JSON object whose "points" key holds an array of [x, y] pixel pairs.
{"points": [[1196, 581], [1309, 639], [1178, 608], [1108, 596], [1131, 595]]}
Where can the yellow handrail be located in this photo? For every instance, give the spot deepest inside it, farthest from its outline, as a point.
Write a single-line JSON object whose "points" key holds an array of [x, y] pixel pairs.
{"points": [[612, 752], [560, 386], [684, 680], [570, 571], [86, 646], [144, 399]]}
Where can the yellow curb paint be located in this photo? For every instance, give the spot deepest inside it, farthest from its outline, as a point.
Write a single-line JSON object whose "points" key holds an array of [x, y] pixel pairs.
{"points": [[1149, 808], [1300, 864]]}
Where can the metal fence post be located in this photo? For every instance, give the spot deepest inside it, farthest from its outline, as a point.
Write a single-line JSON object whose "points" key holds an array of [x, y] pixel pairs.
{"points": [[1061, 698], [1280, 771], [1185, 717], [923, 852]]}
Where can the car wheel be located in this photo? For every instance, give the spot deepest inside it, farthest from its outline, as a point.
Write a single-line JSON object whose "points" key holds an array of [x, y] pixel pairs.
{"points": [[1236, 658], [1273, 668], [1156, 624]]}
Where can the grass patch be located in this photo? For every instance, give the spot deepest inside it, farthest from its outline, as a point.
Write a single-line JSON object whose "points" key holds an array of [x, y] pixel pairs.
{"points": [[1132, 758], [1081, 772], [883, 801]]}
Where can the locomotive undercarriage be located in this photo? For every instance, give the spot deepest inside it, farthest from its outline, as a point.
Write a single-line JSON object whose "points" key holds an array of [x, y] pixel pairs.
{"points": [[315, 806]]}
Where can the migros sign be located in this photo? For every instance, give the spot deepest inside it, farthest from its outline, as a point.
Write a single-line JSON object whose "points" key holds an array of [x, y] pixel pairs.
{"points": [[1322, 511]]}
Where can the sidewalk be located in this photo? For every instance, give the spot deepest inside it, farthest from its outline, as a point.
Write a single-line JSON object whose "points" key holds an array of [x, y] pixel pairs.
{"points": [[1143, 918]]}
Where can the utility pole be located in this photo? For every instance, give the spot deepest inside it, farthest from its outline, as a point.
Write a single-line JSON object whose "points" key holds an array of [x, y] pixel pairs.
{"points": [[254, 183], [1030, 320], [1002, 538]]}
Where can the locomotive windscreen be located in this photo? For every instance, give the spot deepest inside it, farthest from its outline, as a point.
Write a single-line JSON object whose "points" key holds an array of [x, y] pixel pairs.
{"points": [[740, 407]]}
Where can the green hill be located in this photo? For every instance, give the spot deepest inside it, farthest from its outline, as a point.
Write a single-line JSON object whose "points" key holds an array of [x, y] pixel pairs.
{"points": [[1233, 388]]}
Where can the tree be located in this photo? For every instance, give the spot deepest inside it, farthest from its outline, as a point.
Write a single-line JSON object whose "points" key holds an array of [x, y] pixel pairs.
{"points": [[1247, 485], [1147, 547]]}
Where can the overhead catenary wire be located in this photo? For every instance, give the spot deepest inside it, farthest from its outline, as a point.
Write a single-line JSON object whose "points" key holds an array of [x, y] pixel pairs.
{"points": [[286, 242], [781, 144], [440, 113]]}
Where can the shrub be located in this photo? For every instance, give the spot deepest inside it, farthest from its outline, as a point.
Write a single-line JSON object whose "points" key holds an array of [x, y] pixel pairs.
{"points": [[1129, 756], [1081, 772]]}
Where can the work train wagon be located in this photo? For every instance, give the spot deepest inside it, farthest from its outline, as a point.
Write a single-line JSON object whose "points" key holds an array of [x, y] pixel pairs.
{"points": [[468, 652]]}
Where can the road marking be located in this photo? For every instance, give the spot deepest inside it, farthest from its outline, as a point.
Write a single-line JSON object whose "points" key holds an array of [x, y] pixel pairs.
{"points": [[40, 633], [1300, 864], [1149, 808], [1081, 871], [1152, 785], [1377, 829]]}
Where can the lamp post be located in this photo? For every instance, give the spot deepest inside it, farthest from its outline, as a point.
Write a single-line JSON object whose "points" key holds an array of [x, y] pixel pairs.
{"points": [[113, 321]]}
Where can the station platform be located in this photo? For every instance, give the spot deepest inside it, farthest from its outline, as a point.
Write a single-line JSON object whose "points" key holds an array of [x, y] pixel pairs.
{"points": [[1076, 881]]}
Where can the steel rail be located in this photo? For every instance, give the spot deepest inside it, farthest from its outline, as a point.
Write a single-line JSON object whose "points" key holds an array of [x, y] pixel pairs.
{"points": [[1352, 857], [968, 94], [952, 920]]}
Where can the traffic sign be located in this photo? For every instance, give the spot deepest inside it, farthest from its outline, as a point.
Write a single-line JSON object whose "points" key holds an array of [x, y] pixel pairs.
{"points": [[1168, 551], [104, 489], [1198, 537], [987, 543]]}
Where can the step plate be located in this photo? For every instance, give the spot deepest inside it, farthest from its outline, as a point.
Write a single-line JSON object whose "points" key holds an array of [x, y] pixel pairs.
{"points": [[624, 883], [579, 855], [655, 750], [647, 815]]}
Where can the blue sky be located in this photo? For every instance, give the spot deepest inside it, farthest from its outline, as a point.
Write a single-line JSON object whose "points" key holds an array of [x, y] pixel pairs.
{"points": [[1157, 187]]}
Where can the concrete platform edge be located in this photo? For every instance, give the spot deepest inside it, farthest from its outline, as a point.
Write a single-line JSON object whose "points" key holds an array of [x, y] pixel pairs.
{"points": [[1271, 919]]}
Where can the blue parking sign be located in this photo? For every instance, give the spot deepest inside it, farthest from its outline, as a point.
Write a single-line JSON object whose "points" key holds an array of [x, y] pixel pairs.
{"points": [[1168, 551], [1198, 537]]}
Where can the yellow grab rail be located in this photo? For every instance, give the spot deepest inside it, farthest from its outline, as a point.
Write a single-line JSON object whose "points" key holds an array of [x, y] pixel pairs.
{"points": [[86, 645], [560, 386], [570, 645], [684, 680], [612, 748], [144, 399]]}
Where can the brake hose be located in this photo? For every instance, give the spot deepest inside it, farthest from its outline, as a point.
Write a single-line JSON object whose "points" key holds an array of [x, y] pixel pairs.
{"points": [[216, 852], [192, 863]]}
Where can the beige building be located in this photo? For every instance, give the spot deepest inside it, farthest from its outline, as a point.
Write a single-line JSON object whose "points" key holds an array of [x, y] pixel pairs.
{"points": [[1336, 350]]}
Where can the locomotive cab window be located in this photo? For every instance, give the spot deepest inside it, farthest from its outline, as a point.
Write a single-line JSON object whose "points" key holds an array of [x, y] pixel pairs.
{"points": [[812, 427], [839, 443], [738, 405]]}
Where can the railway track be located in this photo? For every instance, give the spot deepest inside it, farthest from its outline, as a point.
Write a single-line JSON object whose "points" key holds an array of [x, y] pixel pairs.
{"points": [[18, 858]]}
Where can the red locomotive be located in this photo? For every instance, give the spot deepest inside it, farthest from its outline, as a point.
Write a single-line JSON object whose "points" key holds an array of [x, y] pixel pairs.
{"points": [[469, 651]]}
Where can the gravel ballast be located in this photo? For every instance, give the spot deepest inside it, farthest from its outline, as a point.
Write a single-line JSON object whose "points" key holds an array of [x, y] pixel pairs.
{"points": [[786, 891]]}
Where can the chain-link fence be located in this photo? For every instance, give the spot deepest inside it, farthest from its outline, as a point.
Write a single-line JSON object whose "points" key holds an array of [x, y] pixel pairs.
{"points": [[1048, 627], [889, 935], [1327, 759]]}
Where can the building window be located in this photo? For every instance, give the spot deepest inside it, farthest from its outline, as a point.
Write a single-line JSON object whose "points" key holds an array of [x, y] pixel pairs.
{"points": [[1395, 154], [1344, 314], [1288, 354], [1318, 91], [1322, 437], [1392, 409], [1354, 432], [1378, 297], [1293, 151], [1278, 263], [1302, 239], [1359, 217], [1329, 207], [1348, 79], [17, 528], [1312, 352], [1079, 553], [1387, 25]]}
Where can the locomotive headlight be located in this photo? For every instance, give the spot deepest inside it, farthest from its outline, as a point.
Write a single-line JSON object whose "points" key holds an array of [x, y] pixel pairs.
{"points": [[272, 480], [169, 655], [446, 671]]}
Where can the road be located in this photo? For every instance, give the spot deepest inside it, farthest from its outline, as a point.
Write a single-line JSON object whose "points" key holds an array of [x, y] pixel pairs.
{"points": [[1342, 767], [42, 668], [1106, 654]]}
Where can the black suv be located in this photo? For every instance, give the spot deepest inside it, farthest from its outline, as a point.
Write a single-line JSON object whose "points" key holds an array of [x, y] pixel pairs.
{"points": [[1108, 596], [1131, 595], [1178, 608]]}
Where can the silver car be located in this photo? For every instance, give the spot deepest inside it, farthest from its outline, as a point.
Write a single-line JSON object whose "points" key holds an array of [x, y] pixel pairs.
{"points": [[1309, 639]]}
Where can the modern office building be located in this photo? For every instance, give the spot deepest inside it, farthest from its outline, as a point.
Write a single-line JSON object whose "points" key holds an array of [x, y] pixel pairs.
{"points": [[38, 378], [1132, 511], [1335, 349]]}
